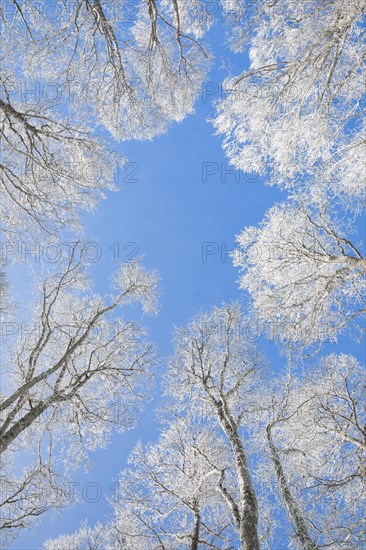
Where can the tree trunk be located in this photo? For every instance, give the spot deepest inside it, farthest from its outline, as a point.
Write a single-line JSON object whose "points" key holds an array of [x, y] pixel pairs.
{"points": [[248, 529], [294, 511], [196, 532], [22, 424]]}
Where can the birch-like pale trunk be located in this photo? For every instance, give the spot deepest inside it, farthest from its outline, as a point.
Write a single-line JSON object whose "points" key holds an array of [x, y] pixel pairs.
{"points": [[248, 517], [302, 533]]}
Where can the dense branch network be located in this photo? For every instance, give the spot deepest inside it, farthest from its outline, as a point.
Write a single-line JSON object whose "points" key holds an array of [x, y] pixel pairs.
{"points": [[76, 371]]}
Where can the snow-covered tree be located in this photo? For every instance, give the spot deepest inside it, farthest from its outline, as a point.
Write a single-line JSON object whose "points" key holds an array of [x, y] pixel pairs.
{"points": [[306, 278], [301, 103], [50, 169], [297, 117], [169, 497], [237, 448], [133, 67], [217, 367], [76, 371], [6, 302], [194, 486], [316, 436], [68, 68], [99, 537], [24, 498]]}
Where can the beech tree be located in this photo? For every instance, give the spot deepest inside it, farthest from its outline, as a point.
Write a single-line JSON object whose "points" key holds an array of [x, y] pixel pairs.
{"points": [[306, 278], [215, 365], [300, 104], [134, 66], [296, 116], [169, 497], [69, 67], [24, 498], [316, 439], [50, 169], [195, 486], [51, 166], [237, 447], [77, 371]]}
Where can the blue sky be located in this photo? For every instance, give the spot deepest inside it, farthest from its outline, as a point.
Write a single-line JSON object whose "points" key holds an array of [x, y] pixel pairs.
{"points": [[168, 214]]}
